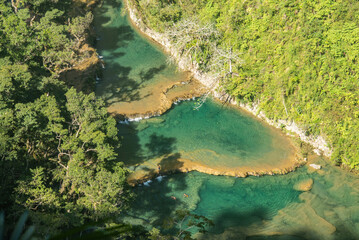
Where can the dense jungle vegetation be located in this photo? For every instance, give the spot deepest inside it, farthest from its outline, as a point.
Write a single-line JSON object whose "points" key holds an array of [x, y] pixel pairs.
{"points": [[297, 59], [57, 143]]}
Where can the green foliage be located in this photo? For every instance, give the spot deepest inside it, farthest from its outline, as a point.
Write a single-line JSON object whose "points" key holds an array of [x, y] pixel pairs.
{"points": [[79, 25], [57, 155], [298, 60], [38, 195]]}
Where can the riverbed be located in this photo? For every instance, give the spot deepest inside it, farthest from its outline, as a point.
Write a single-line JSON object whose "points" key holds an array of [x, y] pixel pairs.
{"points": [[137, 82]]}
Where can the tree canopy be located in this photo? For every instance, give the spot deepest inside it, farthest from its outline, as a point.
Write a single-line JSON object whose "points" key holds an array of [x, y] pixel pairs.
{"points": [[297, 59], [57, 144]]}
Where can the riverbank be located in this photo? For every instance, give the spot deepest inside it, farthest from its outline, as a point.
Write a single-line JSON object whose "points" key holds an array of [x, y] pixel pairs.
{"points": [[233, 143], [318, 142], [82, 74], [159, 100], [156, 167], [136, 80]]}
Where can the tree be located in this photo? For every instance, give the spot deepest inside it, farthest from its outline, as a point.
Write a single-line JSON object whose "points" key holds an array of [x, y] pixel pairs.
{"points": [[79, 26]]}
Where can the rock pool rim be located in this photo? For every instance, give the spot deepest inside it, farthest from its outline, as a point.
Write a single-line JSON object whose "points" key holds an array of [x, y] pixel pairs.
{"points": [[294, 161], [317, 142]]}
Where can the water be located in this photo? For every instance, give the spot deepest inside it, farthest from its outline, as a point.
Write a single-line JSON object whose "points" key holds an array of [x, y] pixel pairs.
{"points": [[135, 74], [214, 137], [257, 206]]}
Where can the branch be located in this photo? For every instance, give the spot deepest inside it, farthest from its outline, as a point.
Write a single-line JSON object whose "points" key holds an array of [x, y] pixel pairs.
{"points": [[14, 5], [91, 150]]}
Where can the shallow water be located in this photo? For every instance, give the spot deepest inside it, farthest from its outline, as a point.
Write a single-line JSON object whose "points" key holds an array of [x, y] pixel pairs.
{"points": [[135, 73], [257, 206], [215, 136], [265, 207]]}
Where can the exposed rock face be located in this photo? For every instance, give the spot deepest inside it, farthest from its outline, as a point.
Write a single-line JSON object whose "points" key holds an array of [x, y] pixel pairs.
{"points": [[304, 186]]}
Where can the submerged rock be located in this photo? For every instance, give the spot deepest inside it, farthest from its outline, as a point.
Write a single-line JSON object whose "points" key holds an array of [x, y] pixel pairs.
{"points": [[305, 185]]}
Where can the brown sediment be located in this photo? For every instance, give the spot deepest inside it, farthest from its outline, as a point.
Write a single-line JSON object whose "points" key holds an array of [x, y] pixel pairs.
{"points": [[171, 163], [157, 99], [88, 3], [304, 186]]}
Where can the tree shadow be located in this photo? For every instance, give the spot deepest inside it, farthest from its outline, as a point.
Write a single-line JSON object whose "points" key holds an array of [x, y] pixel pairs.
{"points": [[235, 223], [117, 84], [230, 217], [150, 73], [130, 151], [160, 145], [275, 237], [171, 161]]}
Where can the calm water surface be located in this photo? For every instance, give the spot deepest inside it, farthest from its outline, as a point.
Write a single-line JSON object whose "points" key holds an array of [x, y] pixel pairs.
{"points": [[135, 71], [263, 207]]}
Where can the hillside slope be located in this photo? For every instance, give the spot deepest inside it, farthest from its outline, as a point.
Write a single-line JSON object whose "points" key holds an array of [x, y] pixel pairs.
{"points": [[297, 59]]}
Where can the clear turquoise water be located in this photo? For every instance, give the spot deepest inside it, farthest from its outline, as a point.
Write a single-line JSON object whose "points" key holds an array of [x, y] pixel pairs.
{"points": [[134, 67], [261, 207], [214, 135]]}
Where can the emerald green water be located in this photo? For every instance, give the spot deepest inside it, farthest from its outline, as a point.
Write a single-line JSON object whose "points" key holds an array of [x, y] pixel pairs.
{"points": [[216, 136], [135, 70], [257, 206], [219, 137]]}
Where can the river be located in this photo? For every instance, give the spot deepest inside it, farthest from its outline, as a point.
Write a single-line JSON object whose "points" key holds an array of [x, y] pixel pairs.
{"points": [[137, 80]]}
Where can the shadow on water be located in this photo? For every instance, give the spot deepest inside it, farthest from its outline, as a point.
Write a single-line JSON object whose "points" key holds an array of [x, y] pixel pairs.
{"points": [[117, 85], [150, 73], [132, 153], [154, 204], [246, 219], [171, 161], [256, 217], [117, 36], [160, 145], [242, 219], [276, 237]]}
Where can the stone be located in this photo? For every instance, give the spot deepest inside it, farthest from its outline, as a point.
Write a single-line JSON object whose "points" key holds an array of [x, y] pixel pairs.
{"points": [[315, 166], [304, 186]]}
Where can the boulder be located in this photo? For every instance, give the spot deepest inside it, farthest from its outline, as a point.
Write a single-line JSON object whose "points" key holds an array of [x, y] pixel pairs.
{"points": [[305, 185], [315, 166]]}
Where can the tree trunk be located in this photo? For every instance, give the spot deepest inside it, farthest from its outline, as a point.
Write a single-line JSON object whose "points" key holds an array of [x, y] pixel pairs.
{"points": [[14, 5]]}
